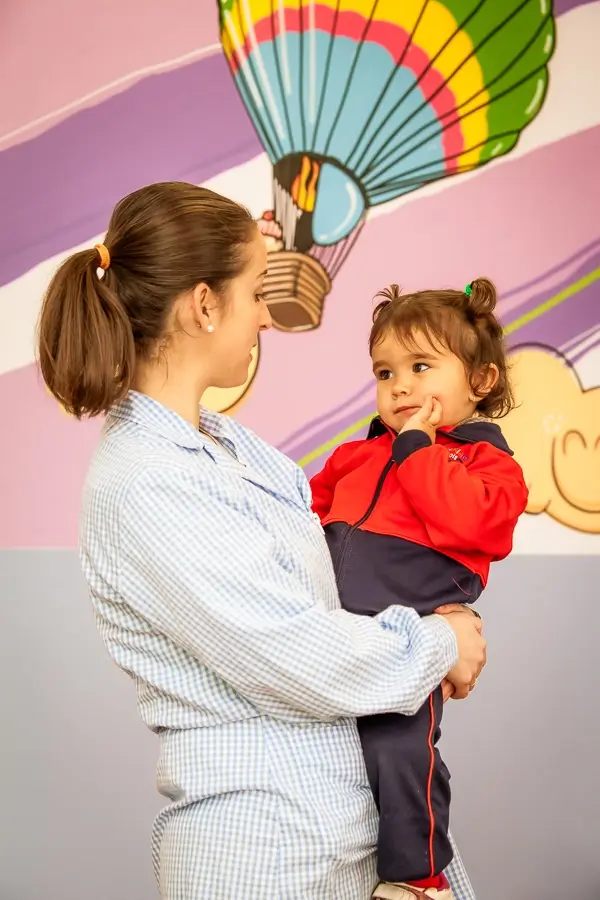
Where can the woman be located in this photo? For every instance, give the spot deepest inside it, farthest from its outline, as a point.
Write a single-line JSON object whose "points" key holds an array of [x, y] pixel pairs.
{"points": [[210, 577]]}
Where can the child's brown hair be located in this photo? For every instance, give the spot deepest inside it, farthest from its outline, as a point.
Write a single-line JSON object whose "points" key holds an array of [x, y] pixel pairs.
{"points": [[462, 322]]}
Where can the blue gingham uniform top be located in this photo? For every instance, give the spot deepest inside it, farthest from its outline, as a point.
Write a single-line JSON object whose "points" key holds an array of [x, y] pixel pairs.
{"points": [[213, 588]]}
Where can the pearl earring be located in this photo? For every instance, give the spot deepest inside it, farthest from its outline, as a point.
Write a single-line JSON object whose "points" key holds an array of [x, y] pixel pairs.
{"points": [[210, 329]]}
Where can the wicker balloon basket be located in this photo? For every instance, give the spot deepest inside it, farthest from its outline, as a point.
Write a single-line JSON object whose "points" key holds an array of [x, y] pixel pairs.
{"points": [[295, 288]]}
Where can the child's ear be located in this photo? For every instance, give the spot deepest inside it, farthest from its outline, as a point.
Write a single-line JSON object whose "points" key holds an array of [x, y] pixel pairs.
{"points": [[485, 380]]}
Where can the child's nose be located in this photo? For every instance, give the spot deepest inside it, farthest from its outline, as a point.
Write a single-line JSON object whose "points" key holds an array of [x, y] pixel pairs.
{"points": [[401, 385]]}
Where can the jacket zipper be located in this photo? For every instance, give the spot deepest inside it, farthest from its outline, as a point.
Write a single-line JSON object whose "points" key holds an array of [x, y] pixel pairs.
{"points": [[364, 517]]}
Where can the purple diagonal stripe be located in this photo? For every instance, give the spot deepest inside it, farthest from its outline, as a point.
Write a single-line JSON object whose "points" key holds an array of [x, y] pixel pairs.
{"points": [[576, 351], [574, 316], [60, 187], [562, 6], [582, 254], [574, 322], [325, 419]]}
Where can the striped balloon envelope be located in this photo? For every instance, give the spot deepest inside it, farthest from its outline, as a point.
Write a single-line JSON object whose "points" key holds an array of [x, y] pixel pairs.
{"points": [[360, 101]]}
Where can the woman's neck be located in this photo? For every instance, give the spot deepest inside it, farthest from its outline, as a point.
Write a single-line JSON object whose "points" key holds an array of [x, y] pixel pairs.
{"points": [[165, 385]]}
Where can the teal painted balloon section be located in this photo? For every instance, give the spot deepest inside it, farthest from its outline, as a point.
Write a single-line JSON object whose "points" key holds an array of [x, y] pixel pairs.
{"points": [[297, 110], [339, 207]]}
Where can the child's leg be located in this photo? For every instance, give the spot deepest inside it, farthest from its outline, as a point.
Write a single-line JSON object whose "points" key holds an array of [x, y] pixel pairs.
{"points": [[411, 785]]}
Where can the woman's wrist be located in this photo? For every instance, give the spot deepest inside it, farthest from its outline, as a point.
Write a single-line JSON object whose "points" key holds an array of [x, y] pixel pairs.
{"points": [[446, 638], [456, 607]]}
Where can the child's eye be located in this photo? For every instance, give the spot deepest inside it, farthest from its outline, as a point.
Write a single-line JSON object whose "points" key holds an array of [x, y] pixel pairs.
{"points": [[418, 368], [383, 374]]}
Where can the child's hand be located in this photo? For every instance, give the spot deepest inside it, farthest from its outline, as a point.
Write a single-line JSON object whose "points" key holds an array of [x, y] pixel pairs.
{"points": [[426, 419], [447, 689]]}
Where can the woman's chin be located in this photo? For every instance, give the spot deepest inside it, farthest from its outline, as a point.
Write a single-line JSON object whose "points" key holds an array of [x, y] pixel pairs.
{"points": [[234, 380], [233, 386]]}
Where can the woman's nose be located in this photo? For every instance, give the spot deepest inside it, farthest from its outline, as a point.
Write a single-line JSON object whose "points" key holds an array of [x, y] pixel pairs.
{"points": [[265, 321]]}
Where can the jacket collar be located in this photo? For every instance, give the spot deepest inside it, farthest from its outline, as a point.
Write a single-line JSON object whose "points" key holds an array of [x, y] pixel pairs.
{"points": [[469, 432]]}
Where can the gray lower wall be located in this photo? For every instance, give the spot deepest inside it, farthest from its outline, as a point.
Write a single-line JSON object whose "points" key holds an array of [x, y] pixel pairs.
{"points": [[77, 766]]}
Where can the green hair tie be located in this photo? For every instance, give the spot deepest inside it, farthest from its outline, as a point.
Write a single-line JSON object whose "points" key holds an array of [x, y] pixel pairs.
{"points": [[468, 290]]}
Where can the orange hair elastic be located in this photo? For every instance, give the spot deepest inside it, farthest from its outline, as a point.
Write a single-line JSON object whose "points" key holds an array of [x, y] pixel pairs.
{"points": [[104, 256]]}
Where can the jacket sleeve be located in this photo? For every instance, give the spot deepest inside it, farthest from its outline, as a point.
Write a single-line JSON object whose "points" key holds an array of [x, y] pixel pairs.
{"points": [[471, 505], [322, 486], [204, 571]]}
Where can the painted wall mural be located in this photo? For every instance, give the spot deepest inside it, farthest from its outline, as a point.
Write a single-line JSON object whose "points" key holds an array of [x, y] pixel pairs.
{"points": [[556, 435], [357, 103], [416, 141]]}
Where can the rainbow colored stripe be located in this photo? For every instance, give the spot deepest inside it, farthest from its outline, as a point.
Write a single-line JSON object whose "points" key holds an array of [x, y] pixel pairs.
{"points": [[479, 66]]}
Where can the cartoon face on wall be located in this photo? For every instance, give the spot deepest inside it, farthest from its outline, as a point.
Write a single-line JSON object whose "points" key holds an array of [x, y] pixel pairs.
{"points": [[555, 435], [358, 103]]}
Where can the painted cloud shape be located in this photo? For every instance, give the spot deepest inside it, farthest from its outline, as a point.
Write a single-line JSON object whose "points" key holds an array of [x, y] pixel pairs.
{"points": [[555, 435]]}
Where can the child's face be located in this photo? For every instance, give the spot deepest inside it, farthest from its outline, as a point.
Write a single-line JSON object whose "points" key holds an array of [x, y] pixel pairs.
{"points": [[406, 376]]}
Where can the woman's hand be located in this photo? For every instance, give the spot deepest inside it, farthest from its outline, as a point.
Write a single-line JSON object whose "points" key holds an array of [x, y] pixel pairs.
{"points": [[471, 650]]}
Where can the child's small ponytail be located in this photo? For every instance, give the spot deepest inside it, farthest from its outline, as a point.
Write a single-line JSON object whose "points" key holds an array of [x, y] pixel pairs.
{"points": [[481, 303], [482, 297]]}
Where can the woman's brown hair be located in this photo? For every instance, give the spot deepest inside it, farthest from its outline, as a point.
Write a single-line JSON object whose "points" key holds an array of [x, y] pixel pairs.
{"points": [[162, 241], [462, 322]]}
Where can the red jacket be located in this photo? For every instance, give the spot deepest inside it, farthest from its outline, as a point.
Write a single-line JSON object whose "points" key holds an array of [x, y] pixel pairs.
{"points": [[416, 523]]}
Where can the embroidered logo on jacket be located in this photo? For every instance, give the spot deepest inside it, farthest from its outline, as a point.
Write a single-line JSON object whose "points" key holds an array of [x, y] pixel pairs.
{"points": [[457, 454]]}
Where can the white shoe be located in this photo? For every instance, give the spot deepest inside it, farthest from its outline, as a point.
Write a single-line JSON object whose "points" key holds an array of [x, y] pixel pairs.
{"points": [[385, 891]]}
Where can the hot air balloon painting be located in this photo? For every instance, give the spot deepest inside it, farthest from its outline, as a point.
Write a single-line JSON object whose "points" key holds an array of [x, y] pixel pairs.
{"points": [[358, 102]]}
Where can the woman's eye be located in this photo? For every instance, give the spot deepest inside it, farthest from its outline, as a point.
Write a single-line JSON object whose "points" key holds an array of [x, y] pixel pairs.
{"points": [[259, 297]]}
